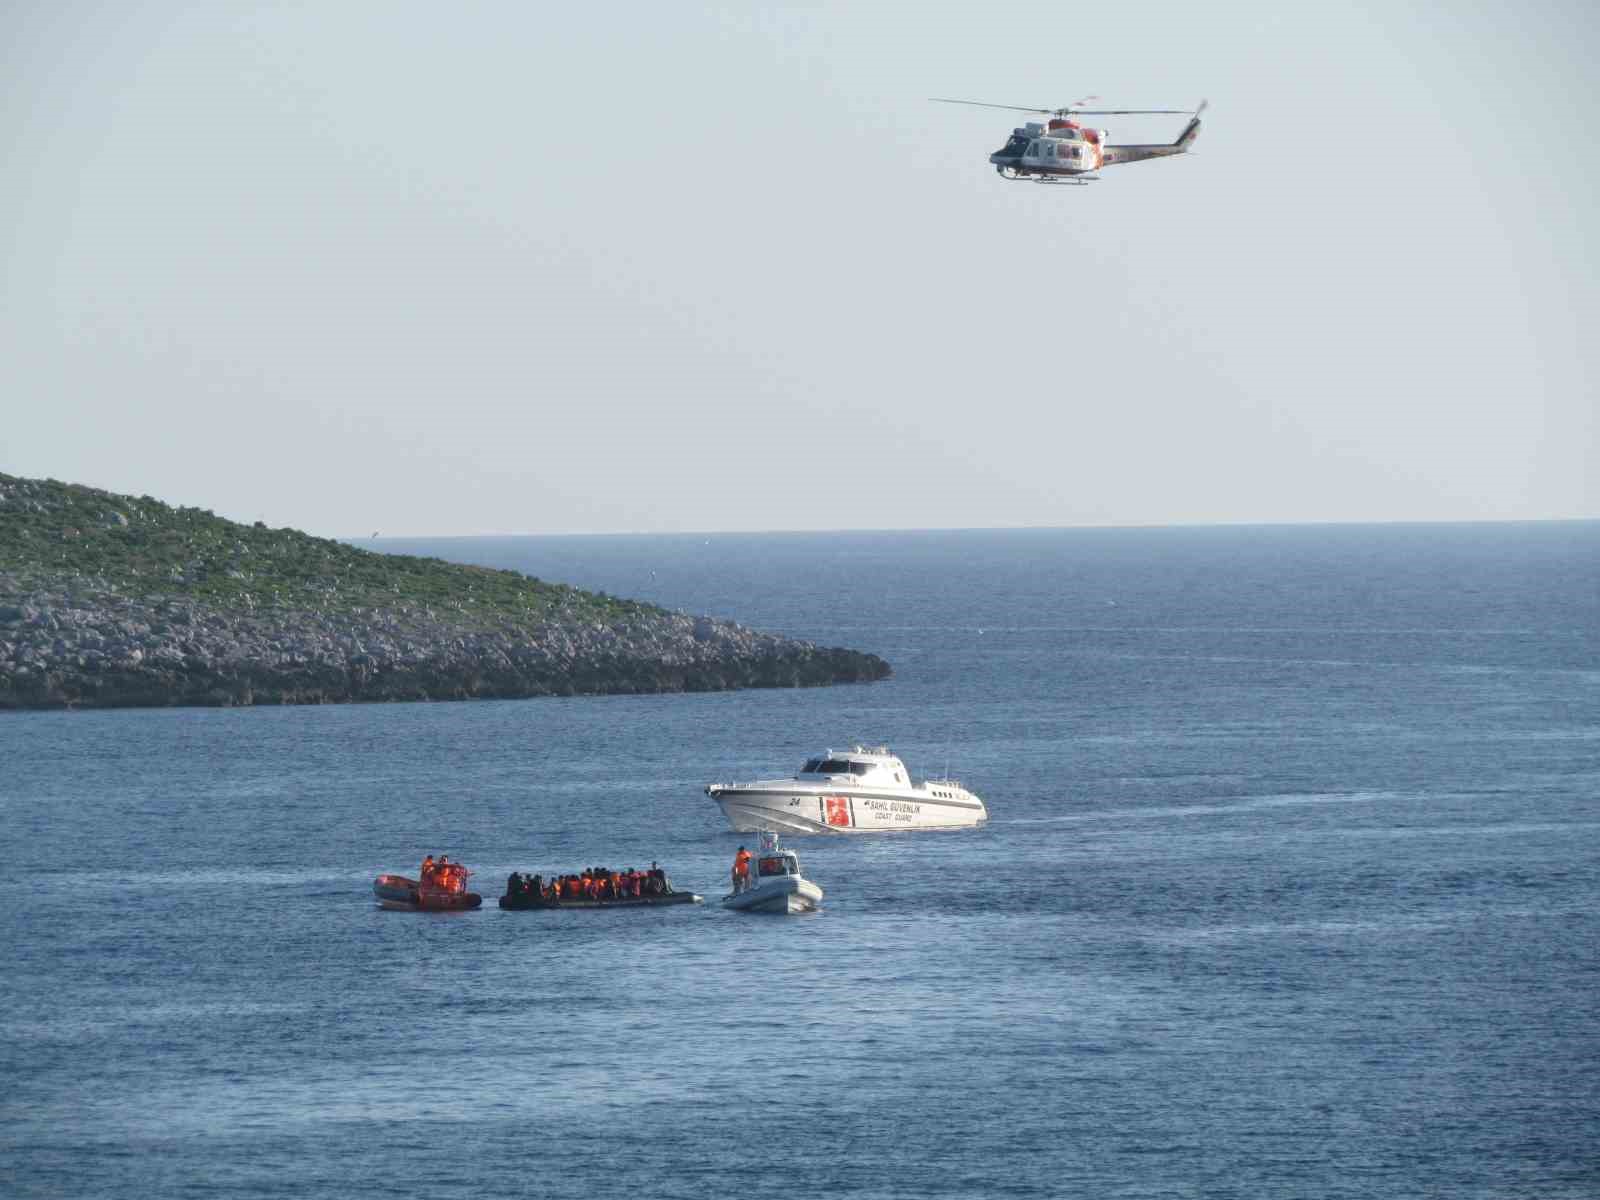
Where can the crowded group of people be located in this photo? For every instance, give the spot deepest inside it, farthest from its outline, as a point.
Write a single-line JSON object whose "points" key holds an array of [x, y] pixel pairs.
{"points": [[592, 883], [442, 873]]}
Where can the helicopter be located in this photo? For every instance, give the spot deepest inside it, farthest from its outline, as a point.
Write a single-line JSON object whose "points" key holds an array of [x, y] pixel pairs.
{"points": [[1060, 150]]}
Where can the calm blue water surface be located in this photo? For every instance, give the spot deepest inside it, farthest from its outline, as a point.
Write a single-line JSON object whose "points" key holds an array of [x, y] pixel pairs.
{"points": [[1289, 889]]}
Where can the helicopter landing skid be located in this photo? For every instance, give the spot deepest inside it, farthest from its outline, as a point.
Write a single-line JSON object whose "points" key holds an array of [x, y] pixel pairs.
{"points": [[1017, 176]]}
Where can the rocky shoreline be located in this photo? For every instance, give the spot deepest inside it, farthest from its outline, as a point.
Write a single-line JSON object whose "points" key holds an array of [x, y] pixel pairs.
{"points": [[81, 647], [114, 601]]}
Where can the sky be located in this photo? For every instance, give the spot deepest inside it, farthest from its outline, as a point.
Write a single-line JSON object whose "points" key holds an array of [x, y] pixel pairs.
{"points": [[501, 268]]}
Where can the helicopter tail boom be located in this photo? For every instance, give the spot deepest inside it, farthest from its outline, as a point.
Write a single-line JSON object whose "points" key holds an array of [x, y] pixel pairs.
{"points": [[1126, 154]]}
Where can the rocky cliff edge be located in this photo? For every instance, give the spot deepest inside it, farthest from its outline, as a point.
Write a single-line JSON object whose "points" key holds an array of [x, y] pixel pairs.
{"points": [[116, 601]]}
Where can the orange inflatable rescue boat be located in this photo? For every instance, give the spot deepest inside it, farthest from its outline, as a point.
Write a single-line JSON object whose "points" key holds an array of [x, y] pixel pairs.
{"points": [[442, 888]]}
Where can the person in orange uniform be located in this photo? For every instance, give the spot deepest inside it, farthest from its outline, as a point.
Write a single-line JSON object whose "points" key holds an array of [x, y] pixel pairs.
{"points": [[741, 870], [427, 869]]}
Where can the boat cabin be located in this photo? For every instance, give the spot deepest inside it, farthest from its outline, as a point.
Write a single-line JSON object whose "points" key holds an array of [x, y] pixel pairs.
{"points": [[857, 765], [772, 860], [777, 863]]}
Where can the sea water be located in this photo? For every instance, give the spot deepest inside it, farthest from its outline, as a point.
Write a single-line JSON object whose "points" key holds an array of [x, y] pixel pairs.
{"points": [[1289, 888]]}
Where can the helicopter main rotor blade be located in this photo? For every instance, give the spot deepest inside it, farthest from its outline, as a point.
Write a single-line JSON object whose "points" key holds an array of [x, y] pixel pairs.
{"points": [[1072, 110], [986, 104]]}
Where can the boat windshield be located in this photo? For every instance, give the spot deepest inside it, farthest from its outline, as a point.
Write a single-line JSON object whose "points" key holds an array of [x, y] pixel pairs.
{"points": [[836, 766]]}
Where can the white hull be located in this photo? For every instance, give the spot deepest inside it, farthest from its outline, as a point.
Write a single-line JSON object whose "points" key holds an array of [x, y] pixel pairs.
{"points": [[786, 894], [788, 809]]}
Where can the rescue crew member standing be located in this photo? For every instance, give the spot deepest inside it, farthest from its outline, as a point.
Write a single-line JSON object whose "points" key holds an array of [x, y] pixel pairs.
{"points": [[741, 870]]}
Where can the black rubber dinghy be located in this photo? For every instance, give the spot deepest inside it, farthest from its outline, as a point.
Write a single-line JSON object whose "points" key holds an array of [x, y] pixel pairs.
{"points": [[522, 903]]}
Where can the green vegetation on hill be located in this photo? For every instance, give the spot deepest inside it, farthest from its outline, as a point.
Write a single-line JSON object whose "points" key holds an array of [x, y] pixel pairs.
{"points": [[114, 601], [139, 546]]}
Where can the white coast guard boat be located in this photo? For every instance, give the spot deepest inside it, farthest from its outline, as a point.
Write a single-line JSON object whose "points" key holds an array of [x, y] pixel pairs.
{"points": [[776, 885], [859, 790]]}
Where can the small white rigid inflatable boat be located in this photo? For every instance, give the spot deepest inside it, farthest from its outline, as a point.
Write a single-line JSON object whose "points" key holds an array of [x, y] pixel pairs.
{"points": [[776, 885]]}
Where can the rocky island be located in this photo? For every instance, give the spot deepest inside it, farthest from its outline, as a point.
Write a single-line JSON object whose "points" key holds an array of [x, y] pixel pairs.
{"points": [[120, 601]]}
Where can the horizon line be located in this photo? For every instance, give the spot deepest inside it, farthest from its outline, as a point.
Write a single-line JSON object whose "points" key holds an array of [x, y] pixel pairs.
{"points": [[1110, 526]]}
